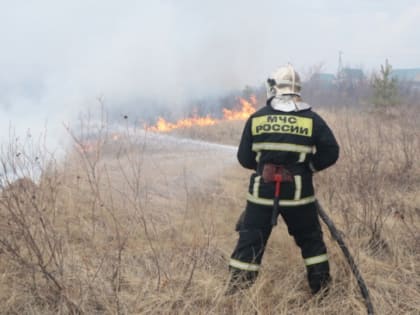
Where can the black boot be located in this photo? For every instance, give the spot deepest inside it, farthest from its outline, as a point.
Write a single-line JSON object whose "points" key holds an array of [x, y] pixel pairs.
{"points": [[319, 277], [240, 280]]}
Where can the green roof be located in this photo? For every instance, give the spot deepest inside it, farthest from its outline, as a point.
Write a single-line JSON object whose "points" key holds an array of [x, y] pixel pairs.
{"points": [[412, 74], [352, 73], [326, 78]]}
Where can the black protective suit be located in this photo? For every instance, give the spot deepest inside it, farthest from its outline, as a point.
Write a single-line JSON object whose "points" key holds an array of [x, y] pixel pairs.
{"points": [[301, 142]]}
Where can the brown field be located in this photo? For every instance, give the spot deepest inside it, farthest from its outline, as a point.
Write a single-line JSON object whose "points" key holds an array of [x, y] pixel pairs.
{"points": [[144, 224]]}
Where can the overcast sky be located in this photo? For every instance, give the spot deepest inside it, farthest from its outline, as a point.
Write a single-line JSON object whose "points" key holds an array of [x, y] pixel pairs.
{"points": [[57, 57]]}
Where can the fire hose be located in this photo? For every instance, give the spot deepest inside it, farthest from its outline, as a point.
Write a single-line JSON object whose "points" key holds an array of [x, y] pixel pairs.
{"points": [[350, 260], [278, 174]]}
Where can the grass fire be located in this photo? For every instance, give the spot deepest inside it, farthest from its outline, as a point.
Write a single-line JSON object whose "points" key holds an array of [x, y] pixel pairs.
{"points": [[245, 108]]}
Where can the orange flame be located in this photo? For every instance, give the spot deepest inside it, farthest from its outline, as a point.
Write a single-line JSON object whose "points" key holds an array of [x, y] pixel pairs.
{"points": [[245, 110], [88, 146], [248, 107], [164, 126]]}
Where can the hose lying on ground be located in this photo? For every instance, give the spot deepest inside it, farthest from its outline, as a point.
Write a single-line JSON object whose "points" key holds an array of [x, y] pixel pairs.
{"points": [[337, 236]]}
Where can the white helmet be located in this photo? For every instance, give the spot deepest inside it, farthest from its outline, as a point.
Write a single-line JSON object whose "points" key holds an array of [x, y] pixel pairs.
{"points": [[285, 80]]}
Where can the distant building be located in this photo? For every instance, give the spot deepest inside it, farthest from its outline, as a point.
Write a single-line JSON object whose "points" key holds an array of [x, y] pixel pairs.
{"points": [[345, 77], [408, 79], [323, 79], [407, 75], [353, 75]]}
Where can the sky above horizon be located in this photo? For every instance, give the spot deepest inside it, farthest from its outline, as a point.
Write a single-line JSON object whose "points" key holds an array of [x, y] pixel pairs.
{"points": [[58, 57]]}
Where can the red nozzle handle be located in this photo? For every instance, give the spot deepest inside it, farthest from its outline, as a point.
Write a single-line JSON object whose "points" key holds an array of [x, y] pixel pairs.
{"points": [[277, 179]]}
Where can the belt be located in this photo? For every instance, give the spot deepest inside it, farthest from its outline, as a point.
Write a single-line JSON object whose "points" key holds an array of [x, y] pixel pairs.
{"points": [[291, 169], [278, 174]]}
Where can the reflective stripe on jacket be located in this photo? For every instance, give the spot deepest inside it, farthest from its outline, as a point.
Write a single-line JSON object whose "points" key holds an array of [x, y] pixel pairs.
{"points": [[286, 138]]}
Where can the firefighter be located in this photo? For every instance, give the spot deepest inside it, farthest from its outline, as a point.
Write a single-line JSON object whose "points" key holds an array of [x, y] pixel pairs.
{"points": [[284, 138]]}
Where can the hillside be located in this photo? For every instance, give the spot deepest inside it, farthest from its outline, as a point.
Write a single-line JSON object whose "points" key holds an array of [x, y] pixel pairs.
{"points": [[143, 223]]}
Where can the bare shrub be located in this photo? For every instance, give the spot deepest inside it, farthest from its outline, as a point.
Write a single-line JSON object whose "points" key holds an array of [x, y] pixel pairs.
{"points": [[377, 165], [133, 223], [29, 241]]}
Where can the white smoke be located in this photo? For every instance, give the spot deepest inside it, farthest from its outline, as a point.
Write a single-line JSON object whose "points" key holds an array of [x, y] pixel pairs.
{"points": [[58, 57]]}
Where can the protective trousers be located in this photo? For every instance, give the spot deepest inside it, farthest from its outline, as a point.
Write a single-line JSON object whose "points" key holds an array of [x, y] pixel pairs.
{"points": [[254, 229]]}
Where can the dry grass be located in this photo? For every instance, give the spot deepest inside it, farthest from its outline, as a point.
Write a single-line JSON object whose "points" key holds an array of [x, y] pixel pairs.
{"points": [[145, 226]]}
